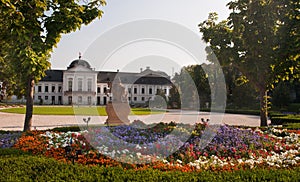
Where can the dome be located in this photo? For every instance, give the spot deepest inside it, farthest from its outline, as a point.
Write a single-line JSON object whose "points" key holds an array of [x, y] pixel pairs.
{"points": [[79, 62]]}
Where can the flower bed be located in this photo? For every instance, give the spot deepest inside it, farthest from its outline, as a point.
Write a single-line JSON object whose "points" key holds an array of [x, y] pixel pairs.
{"points": [[7, 140], [171, 147]]}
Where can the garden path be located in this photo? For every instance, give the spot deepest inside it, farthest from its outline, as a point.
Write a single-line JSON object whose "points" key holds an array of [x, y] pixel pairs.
{"points": [[10, 121]]}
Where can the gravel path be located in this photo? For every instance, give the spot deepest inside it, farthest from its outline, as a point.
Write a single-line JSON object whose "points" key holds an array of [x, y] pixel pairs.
{"points": [[10, 121]]}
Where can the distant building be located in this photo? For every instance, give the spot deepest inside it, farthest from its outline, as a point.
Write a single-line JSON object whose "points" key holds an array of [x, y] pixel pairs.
{"points": [[80, 84]]}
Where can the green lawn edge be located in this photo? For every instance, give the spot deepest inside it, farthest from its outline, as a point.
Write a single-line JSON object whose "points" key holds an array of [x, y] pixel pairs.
{"points": [[69, 110]]}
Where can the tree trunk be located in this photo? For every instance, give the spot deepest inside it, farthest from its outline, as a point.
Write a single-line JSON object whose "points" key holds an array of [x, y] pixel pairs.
{"points": [[263, 108], [29, 104]]}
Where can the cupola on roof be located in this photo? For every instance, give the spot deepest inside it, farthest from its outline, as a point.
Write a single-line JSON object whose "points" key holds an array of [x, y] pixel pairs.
{"points": [[79, 62]]}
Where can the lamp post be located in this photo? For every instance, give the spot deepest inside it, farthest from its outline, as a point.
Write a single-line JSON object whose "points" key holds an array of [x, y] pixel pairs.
{"points": [[87, 122]]}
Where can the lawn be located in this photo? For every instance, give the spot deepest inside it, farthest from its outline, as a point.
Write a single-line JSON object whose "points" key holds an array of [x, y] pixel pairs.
{"points": [[68, 110]]}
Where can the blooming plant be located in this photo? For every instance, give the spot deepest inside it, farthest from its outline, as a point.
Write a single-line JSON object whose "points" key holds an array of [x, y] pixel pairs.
{"points": [[7, 140], [131, 147]]}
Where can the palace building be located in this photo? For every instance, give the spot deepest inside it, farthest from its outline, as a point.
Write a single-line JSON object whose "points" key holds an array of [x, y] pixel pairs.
{"points": [[80, 84]]}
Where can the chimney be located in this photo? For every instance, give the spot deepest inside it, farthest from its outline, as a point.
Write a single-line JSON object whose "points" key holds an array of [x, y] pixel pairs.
{"points": [[141, 69], [148, 67]]}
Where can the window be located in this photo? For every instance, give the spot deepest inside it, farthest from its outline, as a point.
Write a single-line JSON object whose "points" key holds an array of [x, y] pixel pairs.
{"points": [[135, 90], [89, 85], [165, 90], [46, 88], [143, 90], [46, 97], [129, 98], [143, 98], [98, 89], [39, 88], [80, 84], [59, 89], [129, 90], [150, 90], [105, 89], [89, 100], [70, 84], [79, 99], [53, 88], [135, 99], [39, 97]]}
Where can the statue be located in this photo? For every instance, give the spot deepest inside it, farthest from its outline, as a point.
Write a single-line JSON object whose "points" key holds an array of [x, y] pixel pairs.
{"points": [[117, 109]]}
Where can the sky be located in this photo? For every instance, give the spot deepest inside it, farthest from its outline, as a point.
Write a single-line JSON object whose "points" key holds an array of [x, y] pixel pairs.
{"points": [[166, 55]]}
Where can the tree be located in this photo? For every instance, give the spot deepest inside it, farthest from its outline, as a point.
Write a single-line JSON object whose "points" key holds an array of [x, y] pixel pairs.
{"points": [[187, 90], [200, 79], [281, 95], [261, 39], [32, 28], [174, 98]]}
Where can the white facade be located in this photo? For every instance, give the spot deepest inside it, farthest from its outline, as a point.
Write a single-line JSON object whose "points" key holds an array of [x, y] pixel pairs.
{"points": [[81, 85]]}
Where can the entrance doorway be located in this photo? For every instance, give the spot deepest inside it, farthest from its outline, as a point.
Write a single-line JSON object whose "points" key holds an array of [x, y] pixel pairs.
{"points": [[59, 100], [53, 100], [98, 100], [70, 100], [104, 100]]}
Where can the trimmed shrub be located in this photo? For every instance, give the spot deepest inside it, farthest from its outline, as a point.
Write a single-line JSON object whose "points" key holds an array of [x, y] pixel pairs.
{"points": [[36, 168], [284, 119]]}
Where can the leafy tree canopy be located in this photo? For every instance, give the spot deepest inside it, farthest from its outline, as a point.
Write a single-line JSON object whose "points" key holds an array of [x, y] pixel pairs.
{"points": [[31, 29], [260, 38]]}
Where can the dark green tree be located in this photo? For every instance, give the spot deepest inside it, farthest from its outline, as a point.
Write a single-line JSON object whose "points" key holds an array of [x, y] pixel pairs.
{"points": [[261, 39], [31, 29], [174, 100]]}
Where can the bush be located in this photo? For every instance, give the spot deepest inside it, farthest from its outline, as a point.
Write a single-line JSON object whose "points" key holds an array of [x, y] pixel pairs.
{"points": [[66, 129], [36, 168], [280, 120], [292, 126], [236, 111]]}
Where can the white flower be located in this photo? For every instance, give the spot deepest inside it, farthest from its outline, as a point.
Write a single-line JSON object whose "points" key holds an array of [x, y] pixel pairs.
{"points": [[165, 161], [179, 161], [240, 161]]}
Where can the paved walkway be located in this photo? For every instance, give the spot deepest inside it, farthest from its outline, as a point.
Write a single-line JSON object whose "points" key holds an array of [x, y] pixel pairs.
{"points": [[10, 121]]}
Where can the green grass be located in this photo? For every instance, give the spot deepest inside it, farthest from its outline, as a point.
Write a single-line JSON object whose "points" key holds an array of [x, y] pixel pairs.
{"points": [[291, 125], [68, 110]]}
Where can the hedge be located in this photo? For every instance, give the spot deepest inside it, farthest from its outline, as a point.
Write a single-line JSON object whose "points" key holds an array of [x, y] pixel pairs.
{"points": [[235, 111], [275, 120], [16, 167]]}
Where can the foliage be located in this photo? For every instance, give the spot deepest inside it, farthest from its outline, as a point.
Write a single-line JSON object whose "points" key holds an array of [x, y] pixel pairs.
{"points": [[174, 99], [36, 168], [281, 95], [279, 120], [260, 39], [31, 30], [295, 126], [192, 83]]}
